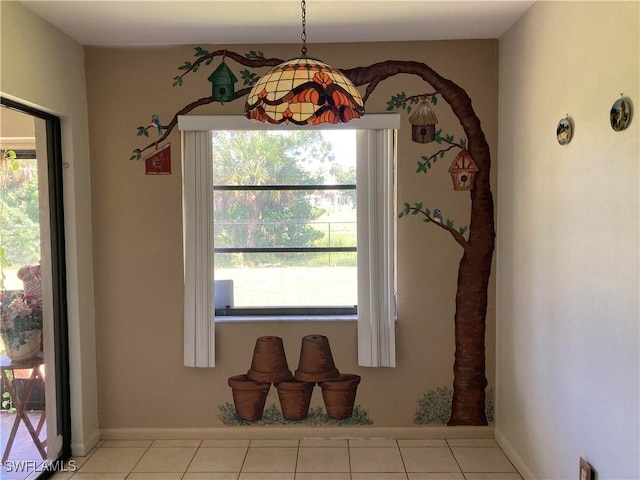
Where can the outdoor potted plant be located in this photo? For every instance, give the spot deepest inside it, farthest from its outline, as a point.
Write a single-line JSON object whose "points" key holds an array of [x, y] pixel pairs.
{"points": [[21, 325]]}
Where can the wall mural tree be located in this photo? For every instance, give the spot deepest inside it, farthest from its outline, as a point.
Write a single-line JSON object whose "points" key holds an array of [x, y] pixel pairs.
{"points": [[469, 384]]}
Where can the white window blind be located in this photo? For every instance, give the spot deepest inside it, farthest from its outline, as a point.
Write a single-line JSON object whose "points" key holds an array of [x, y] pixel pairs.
{"points": [[376, 234], [376, 248], [197, 204]]}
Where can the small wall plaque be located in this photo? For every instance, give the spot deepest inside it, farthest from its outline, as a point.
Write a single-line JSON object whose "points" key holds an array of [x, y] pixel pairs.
{"points": [[564, 131], [620, 114]]}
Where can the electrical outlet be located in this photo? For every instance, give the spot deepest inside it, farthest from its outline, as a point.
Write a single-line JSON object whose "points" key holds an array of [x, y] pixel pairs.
{"points": [[585, 470]]}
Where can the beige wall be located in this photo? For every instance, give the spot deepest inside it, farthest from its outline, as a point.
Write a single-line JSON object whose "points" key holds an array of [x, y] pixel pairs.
{"points": [[138, 250], [43, 68], [568, 236]]}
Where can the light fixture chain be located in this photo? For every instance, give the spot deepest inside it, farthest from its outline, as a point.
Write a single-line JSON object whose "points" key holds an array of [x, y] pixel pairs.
{"points": [[303, 5]]}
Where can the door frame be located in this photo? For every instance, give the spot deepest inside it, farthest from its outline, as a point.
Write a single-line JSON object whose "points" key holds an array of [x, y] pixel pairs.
{"points": [[55, 166]]}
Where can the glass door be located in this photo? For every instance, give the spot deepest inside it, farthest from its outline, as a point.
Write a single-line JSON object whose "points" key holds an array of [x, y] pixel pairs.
{"points": [[35, 416]]}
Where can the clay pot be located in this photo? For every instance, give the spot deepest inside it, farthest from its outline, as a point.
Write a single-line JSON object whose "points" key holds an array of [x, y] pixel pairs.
{"points": [[269, 363], [339, 395], [249, 397], [30, 348], [295, 398], [316, 361]]}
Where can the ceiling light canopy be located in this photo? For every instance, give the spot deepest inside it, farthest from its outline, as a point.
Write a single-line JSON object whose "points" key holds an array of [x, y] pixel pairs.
{"points": [[304, 91]]}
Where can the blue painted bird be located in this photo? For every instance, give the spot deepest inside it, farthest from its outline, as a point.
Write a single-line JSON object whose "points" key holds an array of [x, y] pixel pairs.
{"points": [[437, 216], [155, 119]]}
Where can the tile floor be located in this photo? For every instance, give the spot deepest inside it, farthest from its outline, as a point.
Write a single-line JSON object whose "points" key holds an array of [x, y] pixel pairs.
{"points": [[374, 459]]}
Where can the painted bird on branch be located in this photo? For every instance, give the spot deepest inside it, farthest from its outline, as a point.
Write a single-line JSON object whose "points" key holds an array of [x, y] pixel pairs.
{"points": [[437, 216], [155, 119]]}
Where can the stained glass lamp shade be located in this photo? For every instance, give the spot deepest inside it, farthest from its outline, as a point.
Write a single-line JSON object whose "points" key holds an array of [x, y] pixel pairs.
{"points": [[304, 91]]}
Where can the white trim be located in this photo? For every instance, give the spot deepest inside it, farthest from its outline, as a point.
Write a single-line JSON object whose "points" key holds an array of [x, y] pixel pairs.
{"points": [[374, 121], [524, 471], [82, 449], [298, 432]]}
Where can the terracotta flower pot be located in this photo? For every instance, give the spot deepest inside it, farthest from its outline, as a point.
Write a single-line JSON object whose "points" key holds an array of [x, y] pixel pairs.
{"points": [[316, 361], [295, 398], [269, 362], [249, 397], [339, 395]]}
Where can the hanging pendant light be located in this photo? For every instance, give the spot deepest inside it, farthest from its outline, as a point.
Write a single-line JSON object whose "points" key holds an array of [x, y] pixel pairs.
{"points": [[304, 91]]}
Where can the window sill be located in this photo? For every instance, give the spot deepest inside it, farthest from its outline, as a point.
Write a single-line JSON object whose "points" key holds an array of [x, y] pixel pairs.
{"points": [[286, 319]]}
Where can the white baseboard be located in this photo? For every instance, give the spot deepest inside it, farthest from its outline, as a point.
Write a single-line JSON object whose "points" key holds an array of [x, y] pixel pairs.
{"points": [[515, 458], [255, 433], [80, 449]]}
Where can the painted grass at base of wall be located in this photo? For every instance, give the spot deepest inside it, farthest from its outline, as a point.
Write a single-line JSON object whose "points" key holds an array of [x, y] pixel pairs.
{"points": [[434, 408], [272, 416]]}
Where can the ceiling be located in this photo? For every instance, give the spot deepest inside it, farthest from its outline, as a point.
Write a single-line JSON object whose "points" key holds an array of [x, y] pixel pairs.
{"points": [[151, 22]]}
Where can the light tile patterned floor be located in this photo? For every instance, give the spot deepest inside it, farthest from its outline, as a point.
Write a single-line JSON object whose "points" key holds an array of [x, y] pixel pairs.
{"points": [[376, 459]]}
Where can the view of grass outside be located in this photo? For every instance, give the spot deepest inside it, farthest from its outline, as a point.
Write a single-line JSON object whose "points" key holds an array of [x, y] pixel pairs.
{"points": [[296, 225], [308, 279]]}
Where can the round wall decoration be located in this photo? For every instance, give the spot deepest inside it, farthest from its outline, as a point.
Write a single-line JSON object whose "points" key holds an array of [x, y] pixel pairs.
{"points": [[564, 131], [620, 114]]}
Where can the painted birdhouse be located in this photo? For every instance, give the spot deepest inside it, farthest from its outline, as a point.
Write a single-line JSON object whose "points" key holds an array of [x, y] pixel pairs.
{"points": [[463, 171], [222, 80], [423, 123]]}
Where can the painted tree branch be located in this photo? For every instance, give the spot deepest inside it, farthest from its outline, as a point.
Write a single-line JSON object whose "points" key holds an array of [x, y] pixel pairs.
{"points": [[188, 108], [253, 62], [454, 233]]}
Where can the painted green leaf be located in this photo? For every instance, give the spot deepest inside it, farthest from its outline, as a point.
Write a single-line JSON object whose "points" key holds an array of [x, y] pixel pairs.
{"points": [[438, 138], [463, 230], [177, 81], [142, 131], [195, 69], [401, 214], [449, 138], [427, 211], [136, 154], [434, 99], [408, 109], [426, 220], [441, 154], [200, 52], [463, 142], [185, 66], [449, 223], [418, 207], [254, 54], [208, 61]]}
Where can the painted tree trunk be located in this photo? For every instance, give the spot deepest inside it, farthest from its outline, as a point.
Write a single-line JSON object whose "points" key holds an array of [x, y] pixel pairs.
{"points": [[469, 383]]}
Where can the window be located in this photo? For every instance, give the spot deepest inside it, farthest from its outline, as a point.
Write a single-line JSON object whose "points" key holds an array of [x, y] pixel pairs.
{"points": [[375, 230], [285, 223]]}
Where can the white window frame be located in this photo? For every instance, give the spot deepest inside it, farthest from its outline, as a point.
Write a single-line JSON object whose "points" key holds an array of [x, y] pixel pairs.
{"points": [[376, 233]]}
